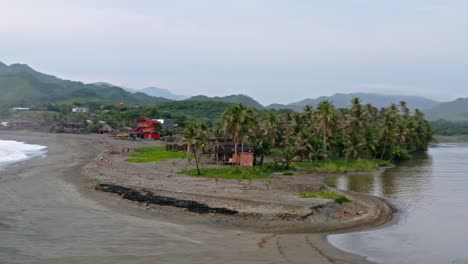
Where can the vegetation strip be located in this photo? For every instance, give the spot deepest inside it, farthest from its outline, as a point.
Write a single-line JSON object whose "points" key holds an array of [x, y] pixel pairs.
{"points": [[153, 154], [235, 172], [150, 198], [342, 166], [326, 195]]}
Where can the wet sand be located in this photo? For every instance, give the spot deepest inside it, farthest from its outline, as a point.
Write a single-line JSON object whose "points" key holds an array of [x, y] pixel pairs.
{"points": [[50, 213]]}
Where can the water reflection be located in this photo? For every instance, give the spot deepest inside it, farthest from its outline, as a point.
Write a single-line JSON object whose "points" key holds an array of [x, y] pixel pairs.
{"points": [[431, 191], [391, 183]]}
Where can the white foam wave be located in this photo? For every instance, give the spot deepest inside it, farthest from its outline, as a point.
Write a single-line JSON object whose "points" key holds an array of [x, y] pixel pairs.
{"points": [[14, 151]]}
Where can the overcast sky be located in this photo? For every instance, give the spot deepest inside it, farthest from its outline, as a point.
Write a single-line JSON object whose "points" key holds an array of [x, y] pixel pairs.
{"points": [[274, 51]]}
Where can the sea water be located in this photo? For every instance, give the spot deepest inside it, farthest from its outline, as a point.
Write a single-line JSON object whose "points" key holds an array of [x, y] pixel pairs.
{"points": [[14, 151]]}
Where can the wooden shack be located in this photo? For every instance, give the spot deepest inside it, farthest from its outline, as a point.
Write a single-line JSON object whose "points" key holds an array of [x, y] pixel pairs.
{"points": [[244, 157]]}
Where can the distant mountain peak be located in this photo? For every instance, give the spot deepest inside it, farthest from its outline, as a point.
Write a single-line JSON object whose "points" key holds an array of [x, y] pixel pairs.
{"points": [[104, 84], [235, 98], [151, 91], [160, 92], [21, 67]]}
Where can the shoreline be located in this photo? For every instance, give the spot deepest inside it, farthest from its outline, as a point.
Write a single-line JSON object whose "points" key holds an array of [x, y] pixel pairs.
{"points": [[317, 240]]}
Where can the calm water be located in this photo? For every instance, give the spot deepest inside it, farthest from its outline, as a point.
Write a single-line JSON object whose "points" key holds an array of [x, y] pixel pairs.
{"points": [[431, 192]]}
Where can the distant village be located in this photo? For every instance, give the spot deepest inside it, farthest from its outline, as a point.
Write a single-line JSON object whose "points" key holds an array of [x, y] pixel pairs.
{"points": [[147, 128]]}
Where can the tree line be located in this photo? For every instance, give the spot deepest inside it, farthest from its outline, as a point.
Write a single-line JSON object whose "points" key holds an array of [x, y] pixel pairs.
{"points": [[320, 133]]}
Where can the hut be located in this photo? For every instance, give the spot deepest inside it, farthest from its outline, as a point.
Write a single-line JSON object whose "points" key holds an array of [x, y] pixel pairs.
{"points": [[244, 157], [105, 129]]}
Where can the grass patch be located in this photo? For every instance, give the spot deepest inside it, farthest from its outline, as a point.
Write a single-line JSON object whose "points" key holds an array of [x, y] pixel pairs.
{"points": [[326, 195], [342, 166], [153, 154], [235, 173]]}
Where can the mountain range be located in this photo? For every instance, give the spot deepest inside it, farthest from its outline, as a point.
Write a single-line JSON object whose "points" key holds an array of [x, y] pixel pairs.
{"points": [[341, 100], [20, 85]]}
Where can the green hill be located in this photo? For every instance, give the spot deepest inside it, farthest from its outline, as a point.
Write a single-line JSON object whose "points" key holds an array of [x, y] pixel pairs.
{"points": [[456, 110], [197, 110], [234, 99], [20, 85]]}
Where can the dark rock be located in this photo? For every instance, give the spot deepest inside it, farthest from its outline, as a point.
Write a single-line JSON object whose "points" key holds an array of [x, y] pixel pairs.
{"points": [[150, 198]]}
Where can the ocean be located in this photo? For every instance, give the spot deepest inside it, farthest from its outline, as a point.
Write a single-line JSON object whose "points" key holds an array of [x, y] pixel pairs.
{"points": [[14, 151]]}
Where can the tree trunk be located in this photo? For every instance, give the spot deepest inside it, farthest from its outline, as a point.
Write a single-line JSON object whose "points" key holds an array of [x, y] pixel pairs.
{"points": [[217, 155], [325, 146], [384, 148], [262, 156], [196, 160], [235, 148]]}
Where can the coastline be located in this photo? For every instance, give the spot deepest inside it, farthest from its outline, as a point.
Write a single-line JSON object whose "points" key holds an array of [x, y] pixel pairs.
{"points": [[284, 237]]}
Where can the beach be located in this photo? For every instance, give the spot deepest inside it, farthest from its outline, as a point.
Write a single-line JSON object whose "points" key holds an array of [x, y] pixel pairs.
{"points": [[51, 212]]}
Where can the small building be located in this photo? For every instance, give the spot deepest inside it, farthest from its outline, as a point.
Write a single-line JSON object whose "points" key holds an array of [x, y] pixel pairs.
{"points": [[167, 123], [245, 154], [105, 129], [174, 143], [20, 109], [23, 124], [146, 129], [80, 109], [69, 127]]}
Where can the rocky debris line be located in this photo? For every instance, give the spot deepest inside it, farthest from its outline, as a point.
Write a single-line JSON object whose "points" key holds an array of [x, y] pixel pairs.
{"points": [[150, 198]]}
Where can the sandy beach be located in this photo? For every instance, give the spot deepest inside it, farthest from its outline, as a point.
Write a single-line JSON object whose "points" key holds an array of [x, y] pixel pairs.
{"points": [[51, 212]]}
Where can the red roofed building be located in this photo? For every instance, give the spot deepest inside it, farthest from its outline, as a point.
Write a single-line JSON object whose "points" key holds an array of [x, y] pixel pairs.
{"points": [[146, 129]]}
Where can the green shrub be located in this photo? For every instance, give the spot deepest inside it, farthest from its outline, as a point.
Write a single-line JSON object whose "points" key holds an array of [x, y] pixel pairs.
{"points": [[342, 166], [326, 195]]}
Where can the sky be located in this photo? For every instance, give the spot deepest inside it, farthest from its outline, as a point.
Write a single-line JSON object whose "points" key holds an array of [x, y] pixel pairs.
{"points": [[275, 51]]}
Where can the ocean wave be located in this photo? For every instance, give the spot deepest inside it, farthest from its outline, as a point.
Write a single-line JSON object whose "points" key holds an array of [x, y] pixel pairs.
{"points": [[14, 151]]}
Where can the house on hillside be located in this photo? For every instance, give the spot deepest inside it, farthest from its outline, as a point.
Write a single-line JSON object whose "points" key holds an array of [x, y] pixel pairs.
{"points": [[80, 109], [20, 109]]}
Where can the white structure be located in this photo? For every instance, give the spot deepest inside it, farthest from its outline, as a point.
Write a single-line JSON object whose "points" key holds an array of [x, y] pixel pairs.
{"points": [[20, 109], [80, 109]]}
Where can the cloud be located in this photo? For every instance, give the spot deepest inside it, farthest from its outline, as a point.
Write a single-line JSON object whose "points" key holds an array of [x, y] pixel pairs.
{"points": [[200, 46]]}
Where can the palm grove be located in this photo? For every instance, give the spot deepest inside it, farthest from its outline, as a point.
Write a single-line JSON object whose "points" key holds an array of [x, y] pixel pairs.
{"points": [[323, 133]]}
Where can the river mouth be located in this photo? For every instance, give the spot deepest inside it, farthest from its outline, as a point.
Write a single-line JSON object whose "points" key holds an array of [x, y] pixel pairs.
{"points": [[431, 195]]}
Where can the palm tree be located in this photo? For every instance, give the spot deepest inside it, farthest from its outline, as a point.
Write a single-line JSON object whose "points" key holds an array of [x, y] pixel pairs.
{"points": [[195, 135], [355, 121], [237, 121], [269, 130], [353, 147], [325, 116], [387, 127], [218, 136]]}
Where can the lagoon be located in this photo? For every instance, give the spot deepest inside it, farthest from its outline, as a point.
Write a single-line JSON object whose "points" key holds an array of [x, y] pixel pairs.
{"points": [[431, 193]]}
